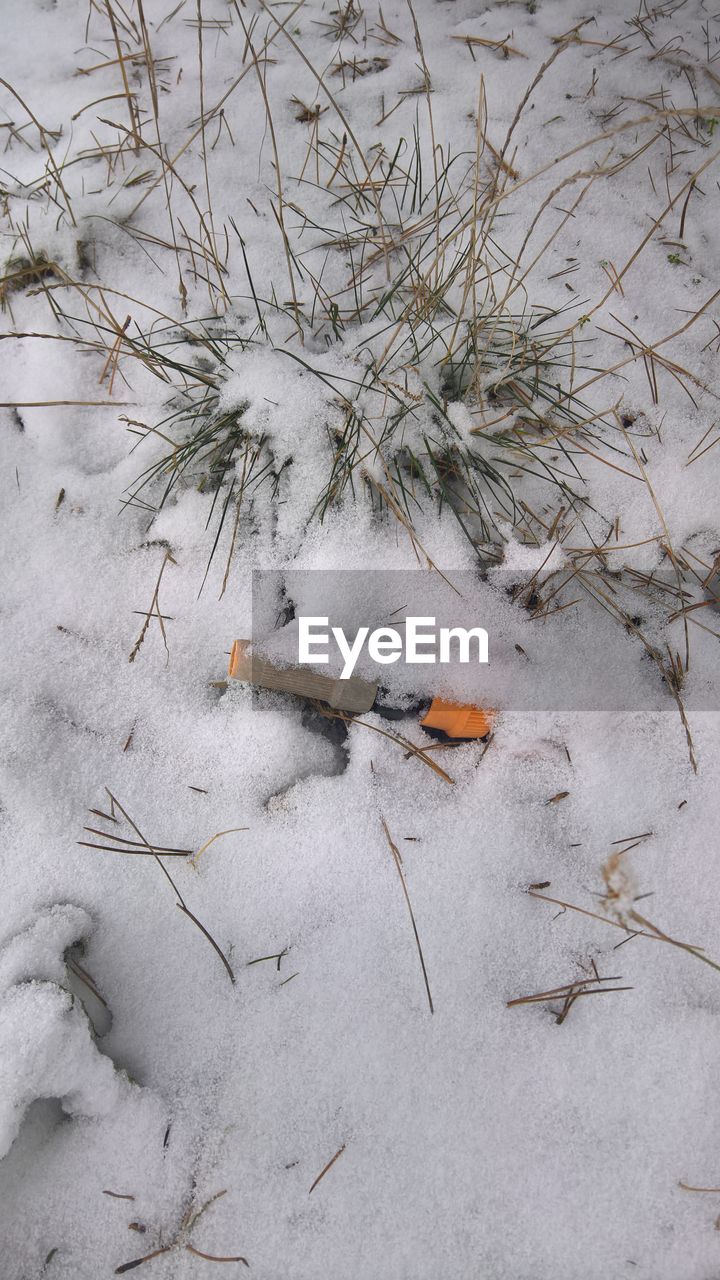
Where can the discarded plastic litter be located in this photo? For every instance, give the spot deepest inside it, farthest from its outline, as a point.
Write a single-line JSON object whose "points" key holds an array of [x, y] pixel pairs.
{"points": [[355, 696]]}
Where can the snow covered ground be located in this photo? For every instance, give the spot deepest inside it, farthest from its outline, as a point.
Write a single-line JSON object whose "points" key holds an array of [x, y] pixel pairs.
{"points": [[424, 288]]}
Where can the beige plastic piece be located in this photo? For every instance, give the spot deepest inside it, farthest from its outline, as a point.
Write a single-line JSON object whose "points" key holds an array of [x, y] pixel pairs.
{"points": [[352, 695]]}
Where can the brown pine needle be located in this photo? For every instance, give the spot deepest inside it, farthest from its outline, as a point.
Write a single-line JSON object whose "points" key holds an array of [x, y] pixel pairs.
{"points": [[627, 839], [572, 993], [137, 1262], [559, 991], [107, 835], [328, 1166], [111, 848], [214, 1257]]}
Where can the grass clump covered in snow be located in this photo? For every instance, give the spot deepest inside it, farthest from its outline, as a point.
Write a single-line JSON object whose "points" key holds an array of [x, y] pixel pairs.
{"points": [[334, 287]]}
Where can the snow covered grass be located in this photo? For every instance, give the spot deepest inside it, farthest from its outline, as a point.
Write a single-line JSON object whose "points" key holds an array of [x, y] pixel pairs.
{"points": [[419, 285]]}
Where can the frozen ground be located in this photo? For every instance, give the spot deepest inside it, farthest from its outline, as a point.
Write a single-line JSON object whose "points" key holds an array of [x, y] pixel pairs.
{"points": [[306, 264]]}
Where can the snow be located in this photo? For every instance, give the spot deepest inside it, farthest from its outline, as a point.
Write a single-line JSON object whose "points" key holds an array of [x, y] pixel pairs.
{"points": [[476, 1138]]}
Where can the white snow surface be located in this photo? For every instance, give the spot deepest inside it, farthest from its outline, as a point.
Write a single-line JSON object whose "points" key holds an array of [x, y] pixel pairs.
{"points": [[475, 1140]]}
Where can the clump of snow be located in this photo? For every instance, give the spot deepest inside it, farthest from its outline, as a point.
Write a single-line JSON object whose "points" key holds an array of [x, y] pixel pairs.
{"points": [[530, 557], [462, 420], [46, 1045]]}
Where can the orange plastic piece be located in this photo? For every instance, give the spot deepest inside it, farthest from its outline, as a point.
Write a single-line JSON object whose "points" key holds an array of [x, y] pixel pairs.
{"points": [[458, 721], [238, 658]]}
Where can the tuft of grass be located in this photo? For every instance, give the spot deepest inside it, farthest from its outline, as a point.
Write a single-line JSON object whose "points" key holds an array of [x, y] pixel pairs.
{"points": [[451, 388]]}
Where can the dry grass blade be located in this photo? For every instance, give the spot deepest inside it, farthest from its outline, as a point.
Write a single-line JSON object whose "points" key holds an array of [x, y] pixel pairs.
{"points": [[181, 904], [181, 1241], [278, 173], [154, 612], [206, 845], [280, 26], [498, 46], [49, 404], [397, 858], [646, 930], [418, 752]]}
